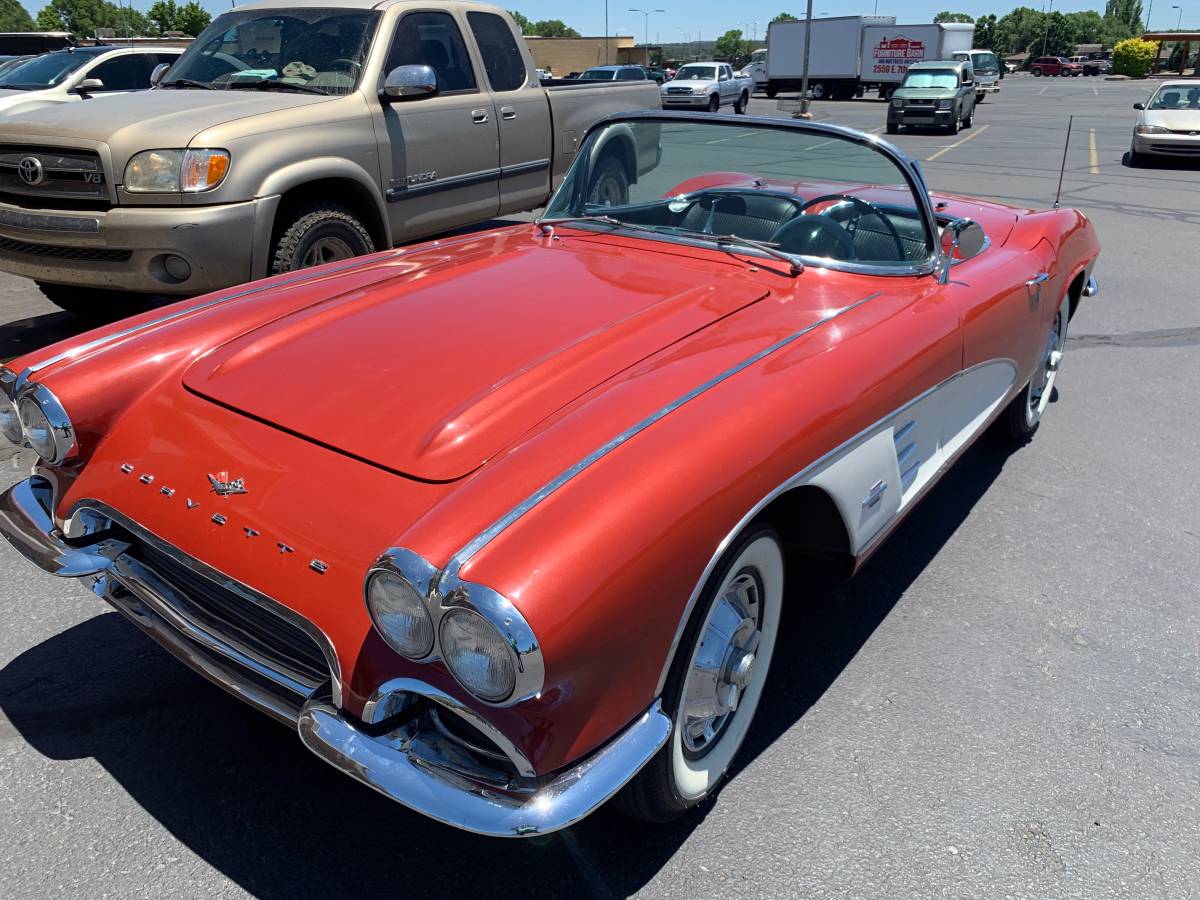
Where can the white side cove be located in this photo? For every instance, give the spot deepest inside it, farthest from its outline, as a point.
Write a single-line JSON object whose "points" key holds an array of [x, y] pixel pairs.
{"points": [[875, 476]]}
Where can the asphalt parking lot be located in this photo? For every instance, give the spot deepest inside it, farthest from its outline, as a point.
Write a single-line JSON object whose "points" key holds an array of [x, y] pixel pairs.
{"points": [[1004, 703]]}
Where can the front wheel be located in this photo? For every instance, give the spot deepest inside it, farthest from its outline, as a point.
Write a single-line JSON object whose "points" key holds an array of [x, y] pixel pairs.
{"points": [[716, 680], [1023, 415], [893, 128], [772, 91], [953, 126], [1037, 73], [714, 103], [817, 90], [969, 120], [319, 234]]}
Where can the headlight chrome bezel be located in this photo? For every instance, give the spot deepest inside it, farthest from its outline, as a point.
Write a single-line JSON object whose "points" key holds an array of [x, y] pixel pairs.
{"points": [[451, 594], [179, 171], [376, 577], [61, 445]]}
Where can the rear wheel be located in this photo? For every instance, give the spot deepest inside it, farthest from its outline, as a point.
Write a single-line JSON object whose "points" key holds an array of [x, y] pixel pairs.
{"points": [[319, 234], [953, 126], [93, 304], [743, 102], [970, 119], [716, 679]]}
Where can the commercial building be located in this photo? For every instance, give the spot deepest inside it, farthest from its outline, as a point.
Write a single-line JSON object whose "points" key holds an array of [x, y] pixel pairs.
{"points": [[564, 55]]}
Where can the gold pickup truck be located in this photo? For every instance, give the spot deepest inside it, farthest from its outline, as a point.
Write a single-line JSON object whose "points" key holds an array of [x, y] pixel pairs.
{"points": [[290, 136]]}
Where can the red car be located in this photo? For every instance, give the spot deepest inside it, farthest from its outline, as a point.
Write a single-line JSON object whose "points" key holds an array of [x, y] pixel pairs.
{"points": [[502, 523], [1054, 65]]}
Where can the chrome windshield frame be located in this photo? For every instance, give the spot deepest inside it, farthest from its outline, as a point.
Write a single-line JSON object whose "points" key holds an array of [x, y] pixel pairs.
{"points": [[911, 171]]}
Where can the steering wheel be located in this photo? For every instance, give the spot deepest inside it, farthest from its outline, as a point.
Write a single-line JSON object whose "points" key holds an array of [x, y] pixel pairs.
{"points": [[814, 236], [871, 210], [349, 62]]}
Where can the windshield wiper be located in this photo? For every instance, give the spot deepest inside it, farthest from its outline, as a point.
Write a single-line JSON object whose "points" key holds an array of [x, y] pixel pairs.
{"points": [[186, 83], [265, 84], [16, 87], [723, 241]]}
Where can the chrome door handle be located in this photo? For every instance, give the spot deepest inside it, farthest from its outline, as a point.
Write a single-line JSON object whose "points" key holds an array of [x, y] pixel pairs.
{"points": [[479, 116], [875, 494], [507, 112], [1035, 283]]}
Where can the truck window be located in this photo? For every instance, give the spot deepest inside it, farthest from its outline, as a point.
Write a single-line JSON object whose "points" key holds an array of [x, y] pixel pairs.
{"points": [[432, 39], [502, 59], [631, 75]]}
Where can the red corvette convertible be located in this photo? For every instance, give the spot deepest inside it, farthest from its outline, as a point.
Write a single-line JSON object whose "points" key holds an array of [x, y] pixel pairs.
{"points": [[502, 523]]}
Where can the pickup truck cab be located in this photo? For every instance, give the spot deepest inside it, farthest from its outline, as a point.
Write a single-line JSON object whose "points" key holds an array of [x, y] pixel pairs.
{"points": [[707, 85], [986, 67], [939, 94], [292, 135], [80, 73]]}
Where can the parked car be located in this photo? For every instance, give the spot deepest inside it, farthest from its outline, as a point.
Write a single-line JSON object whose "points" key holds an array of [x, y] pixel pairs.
{"points": [[291, 136], [655, 74], [707, 85], [1168, 124], [1054, 65], [986, 69], [11, 62], [938, 94], [615, 73], [78, 73], [626, 429]]}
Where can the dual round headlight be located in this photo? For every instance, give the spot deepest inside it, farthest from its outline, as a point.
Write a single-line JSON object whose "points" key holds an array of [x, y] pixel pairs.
{"points": [[10, 421], [37, 418], [473, 649]]}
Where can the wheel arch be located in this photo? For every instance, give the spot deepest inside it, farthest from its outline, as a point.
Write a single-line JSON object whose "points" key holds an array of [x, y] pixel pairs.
{"points": [[620, 144], [333, 179]]}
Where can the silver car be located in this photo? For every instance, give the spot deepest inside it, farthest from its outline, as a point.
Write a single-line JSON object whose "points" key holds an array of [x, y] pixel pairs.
{"points": [[1168, 124]]}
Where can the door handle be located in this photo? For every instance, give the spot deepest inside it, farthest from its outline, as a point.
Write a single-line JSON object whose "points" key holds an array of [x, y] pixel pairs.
{"points": [[479, 116], [507, 112], [1034, 284]]}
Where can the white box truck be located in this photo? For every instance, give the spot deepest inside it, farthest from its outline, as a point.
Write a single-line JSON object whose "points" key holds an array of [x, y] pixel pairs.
{"points": [[851, 54]]}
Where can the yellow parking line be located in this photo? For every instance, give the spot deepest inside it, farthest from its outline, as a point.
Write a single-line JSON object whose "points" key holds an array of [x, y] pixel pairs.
{"points": [[1092, 150], [978, 131]]}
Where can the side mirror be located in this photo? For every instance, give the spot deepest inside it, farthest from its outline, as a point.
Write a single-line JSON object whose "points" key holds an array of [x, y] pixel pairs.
{"points": [[88, 85], [410, 83], [962, 239], [1139, 106], [159, 72]]}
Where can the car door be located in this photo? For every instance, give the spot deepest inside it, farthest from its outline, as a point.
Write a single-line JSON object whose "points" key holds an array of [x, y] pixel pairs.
{"points": [[523, 110], [439, 154], [726, 82], [967, 90]]}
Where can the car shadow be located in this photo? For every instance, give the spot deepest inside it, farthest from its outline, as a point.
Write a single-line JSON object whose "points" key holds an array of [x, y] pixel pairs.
{"points": [[21, 336], [242, 793], [1148, 163]]}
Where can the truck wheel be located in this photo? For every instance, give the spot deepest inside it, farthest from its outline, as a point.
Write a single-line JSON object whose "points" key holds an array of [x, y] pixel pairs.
{"points": [[716, 679], [319, 234], [893, 128], [93, 304], [1037, 73], [772, 90], [743, 102], [817, 90], [610, 184], [714, 103]]}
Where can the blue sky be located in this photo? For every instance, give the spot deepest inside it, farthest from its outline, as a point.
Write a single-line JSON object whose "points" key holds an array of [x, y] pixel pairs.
{"points": [[712, 17]]}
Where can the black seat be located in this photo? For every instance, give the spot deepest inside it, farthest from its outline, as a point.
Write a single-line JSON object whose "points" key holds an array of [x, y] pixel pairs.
{"points": [[754, 216]]}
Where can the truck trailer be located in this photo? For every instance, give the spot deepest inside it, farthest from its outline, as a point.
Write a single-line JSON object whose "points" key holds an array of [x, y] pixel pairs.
{"points": [[851, 54]]}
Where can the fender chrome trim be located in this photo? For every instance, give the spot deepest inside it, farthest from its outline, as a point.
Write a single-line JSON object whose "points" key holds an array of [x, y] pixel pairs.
{"points": [[485, 537]]}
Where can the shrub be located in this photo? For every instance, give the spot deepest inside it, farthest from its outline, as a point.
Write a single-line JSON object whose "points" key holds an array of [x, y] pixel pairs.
{"points": [[1133, 57]]}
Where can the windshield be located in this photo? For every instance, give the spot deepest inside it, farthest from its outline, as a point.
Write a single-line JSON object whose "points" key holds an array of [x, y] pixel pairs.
{"points": [[319, 50], [599, 74], [1176, 96], [931, 78], [758, 56], [45, 71], [985, 63], [801, 190], [696, 73]]}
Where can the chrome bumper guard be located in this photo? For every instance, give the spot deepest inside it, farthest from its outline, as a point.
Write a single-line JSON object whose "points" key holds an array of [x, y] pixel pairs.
{"points": [[414, 761], [1092, 288]]}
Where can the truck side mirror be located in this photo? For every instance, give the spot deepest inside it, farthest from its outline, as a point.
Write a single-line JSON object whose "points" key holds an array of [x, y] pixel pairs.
{"points": [[410, 83], [88, 85], [159, 71], [1139, 106]]}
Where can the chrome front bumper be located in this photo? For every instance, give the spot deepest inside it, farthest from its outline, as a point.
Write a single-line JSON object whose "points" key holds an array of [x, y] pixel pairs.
{"points": [[420, 766]]}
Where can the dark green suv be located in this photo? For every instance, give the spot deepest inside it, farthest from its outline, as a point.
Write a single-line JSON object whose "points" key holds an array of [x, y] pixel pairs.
{"points": [[939, 94]]}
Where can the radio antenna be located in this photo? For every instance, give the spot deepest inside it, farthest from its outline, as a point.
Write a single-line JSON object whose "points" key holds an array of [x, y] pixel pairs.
{"points": [[1063, 168]]}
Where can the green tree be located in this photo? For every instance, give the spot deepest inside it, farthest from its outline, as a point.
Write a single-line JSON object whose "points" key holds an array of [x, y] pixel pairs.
{"points": [[163, 16], [985, 32], [13, 16], [1134, 57], [785, 17], [1087, 27], [729, 45], [193, 18], [1019, 30], [522, 22], [84, 17], [947, 16], [551, 28], [1057, 37], [1125, 12]]}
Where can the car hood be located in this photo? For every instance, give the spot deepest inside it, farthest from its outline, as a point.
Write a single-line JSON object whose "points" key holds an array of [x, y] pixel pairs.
{"points": [[155, 118], [925, 94], [1175, 119], [432, 372]]}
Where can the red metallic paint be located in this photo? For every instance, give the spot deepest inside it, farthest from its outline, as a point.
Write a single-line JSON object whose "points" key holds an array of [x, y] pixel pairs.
{"points": [[542, 349]]}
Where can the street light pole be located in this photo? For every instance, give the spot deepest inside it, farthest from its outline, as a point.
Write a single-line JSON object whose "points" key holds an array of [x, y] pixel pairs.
{"points": [[1046, 36], [803, 112], [1149, 13], [1179, 20], [606, 32], [646, 13]]}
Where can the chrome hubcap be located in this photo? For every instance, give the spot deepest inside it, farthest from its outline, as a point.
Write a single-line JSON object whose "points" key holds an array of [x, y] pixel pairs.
{"points": [[326, 250], [1042, 384], [724, 663]]}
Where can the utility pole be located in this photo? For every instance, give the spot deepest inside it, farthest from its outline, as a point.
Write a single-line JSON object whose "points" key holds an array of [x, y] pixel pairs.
{"points": [[1149, 13], [646, 13], [1046, 36], [606, 32], [803, 112]]}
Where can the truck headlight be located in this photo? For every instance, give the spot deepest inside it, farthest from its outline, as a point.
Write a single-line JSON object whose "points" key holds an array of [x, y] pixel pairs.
{"points": [[945, 104], [1152, 129], [176, 171], [478, 656], [399, 614], [897, 103], [45, 424]]}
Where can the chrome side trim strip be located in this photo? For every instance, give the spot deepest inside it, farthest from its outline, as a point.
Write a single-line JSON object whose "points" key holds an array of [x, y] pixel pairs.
{"points": [[405, 191], [537, 165], [485, 537]]}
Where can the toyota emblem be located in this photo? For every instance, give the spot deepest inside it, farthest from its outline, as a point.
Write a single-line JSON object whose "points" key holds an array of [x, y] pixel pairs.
{"points": [[30, 169]]}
